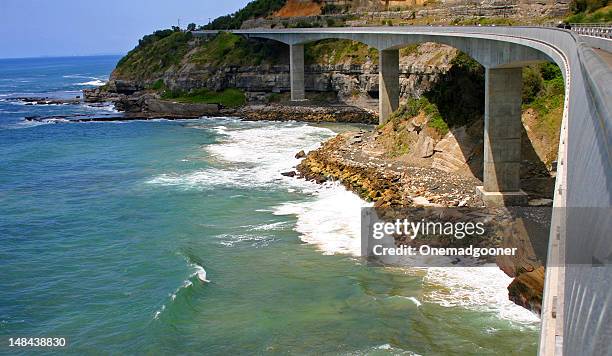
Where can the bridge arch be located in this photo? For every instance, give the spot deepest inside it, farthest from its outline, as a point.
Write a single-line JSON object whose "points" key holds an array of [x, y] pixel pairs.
{"points": [[503, 59], [490, 51]]}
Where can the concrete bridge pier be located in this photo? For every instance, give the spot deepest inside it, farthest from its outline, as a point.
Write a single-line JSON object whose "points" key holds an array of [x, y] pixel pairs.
{"points": [[389, 87], [296, 51], [502, 138]]}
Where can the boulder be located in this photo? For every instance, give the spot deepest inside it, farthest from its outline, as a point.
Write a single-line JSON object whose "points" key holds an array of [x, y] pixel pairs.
{"points": [[425, 146], [289, 174]]}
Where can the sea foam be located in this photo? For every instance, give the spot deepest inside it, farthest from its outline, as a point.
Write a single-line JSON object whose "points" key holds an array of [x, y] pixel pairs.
{"points": [[95, 83], [251, 155], [258, 152]]}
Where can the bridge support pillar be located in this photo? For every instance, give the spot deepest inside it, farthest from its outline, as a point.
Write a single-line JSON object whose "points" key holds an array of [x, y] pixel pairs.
{"points": [[502, 138], [298, 93], [389, 89]]}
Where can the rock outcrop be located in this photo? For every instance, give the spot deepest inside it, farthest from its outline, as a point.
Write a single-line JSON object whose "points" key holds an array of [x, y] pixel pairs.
{"points": [[358, 162], [418, 11]]}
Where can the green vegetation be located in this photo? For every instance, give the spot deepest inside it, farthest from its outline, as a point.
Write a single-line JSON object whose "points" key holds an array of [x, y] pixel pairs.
{"points": [[227, 49], [397, 132], [409, 50], [578, 6], [484, 21], [254, 9], [158, 85], [306, 24], [230, 98], [154, 55], [415, 107], [603, 14], [460, 96], [329, 9], [544, 92], [339, 51], [456, 100]]}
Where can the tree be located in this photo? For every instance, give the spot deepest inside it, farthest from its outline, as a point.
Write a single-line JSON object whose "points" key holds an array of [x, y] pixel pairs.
{"points": [[191, 27]]}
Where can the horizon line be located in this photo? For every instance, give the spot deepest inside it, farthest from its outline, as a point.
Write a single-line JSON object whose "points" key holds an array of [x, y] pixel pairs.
{"points": [[66, 56]]}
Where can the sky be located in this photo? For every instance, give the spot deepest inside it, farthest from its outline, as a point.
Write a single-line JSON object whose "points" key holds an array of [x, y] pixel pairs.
{"points": [[51, 28]]}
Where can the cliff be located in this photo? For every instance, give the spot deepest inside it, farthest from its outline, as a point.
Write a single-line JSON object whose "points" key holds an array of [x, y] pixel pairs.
{"points": [[331, 13], [343, 71]]}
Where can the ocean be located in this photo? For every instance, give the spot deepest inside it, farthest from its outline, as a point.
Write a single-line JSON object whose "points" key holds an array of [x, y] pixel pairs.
{"points": [[105, 228]]}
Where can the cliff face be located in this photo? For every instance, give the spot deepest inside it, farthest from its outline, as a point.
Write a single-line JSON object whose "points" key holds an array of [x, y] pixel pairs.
{"points": [[377, 12], [353, 79]]}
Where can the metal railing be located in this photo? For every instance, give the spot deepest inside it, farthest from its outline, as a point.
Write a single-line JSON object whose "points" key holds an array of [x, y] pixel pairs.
{"points": [[603, 30]]}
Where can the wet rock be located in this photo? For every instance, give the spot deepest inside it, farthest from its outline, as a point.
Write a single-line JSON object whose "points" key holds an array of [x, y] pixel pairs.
{"points": [[300, 154], [289, 174], [527, 289], [309, 113]]}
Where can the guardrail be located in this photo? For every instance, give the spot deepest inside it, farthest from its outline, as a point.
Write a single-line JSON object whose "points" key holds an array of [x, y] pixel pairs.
{"points": [[603, 30]]}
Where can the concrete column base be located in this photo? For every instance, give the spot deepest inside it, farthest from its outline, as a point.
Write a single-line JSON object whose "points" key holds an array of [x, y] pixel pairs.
{"points": [[493, 199]]}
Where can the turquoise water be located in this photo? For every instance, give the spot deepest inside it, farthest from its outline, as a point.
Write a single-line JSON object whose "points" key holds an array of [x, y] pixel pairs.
{"points": [[105, 226]]}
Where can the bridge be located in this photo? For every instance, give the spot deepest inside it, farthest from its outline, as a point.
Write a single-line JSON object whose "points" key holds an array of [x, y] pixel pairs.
{"points": [[577, 305]]}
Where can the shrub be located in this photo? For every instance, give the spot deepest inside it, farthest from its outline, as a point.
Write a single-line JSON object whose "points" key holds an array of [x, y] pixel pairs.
{"points": [[228, 97], [587, 5], [158, 85], [532, 83], [254, 9], [414, 107], [543, 80], [232, 50], [333, 9], [338, 51], [154, 54], [459, 97]]}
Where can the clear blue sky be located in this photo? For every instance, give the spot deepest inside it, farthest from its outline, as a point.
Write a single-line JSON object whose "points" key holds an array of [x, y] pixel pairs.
{"points": [[34, 28]]}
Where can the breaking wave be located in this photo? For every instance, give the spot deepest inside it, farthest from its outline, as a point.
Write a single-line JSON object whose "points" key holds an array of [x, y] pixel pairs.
{"points": [[256, 153], [95, 83]]}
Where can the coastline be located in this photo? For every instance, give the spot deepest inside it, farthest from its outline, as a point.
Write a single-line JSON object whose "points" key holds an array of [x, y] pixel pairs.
{"points": [[369, 174], [129, 109], [390, 183]]}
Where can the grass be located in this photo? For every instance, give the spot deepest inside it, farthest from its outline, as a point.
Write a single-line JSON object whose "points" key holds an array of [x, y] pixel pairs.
{"points": [[230, 98], [227, 49], [158, 85], [603, 14], [544, 92], [484, 21], [339, 52], [410, 50], [414, 107], [254, 9], [153, 56]]}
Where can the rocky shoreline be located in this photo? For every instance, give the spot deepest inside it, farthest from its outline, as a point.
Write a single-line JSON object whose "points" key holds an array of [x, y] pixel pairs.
{"points": [[343, 114], [148, 104], [356, 161], [393, 183]]}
